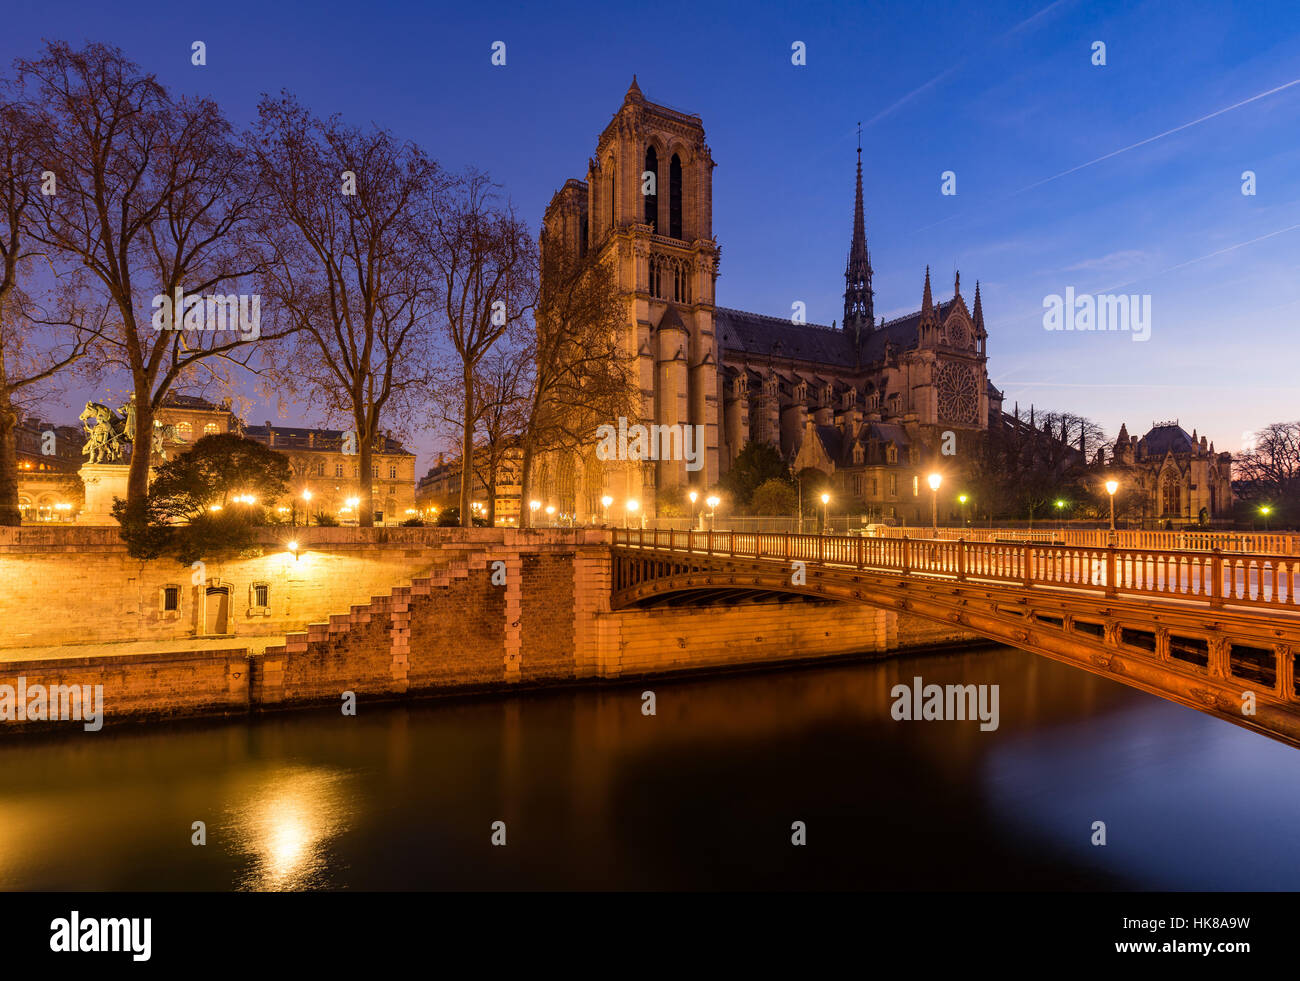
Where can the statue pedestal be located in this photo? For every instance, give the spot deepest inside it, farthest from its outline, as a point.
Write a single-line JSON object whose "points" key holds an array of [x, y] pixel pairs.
{"points": [[103, 482]]}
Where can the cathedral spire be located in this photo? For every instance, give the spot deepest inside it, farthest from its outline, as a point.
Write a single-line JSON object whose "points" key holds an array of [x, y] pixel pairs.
{"points": [[978, 313], [927, 301], [859, 308], [634, 92]]}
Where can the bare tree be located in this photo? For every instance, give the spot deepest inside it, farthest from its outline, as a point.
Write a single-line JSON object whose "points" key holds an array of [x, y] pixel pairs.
{"points": [[42, 325], [486, 266], [501, 403], [582, 374], [151, 198], [342, 210], [1269, 470]]}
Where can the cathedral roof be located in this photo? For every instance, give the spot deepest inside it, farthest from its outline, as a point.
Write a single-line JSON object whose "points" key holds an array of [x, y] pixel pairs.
{"points": [[1168, 437], [759, 336], [903, 332]]}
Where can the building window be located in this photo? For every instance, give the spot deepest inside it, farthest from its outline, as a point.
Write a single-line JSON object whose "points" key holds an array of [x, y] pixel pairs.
{"points": [[613, 191], [1172, 497], [210, 429], [259, 598], [374, 470], [171, 599], [675, 197], [650, 187], [893, 485], [392, 471], [891, 453], [857, 454], [338, 470], [184, 432], [916, 486]]}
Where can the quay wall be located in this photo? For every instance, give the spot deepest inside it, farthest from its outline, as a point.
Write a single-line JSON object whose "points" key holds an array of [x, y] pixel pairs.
{"points": [[383, 613]]}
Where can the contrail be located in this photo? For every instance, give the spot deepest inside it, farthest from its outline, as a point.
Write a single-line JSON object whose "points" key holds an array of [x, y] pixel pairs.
{"points": [[1229, 248], [1115, 153], [1158, 136], [962, 61]]}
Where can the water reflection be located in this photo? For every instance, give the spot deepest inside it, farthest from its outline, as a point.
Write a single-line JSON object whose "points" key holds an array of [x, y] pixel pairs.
{"points": [[285, 824], [701, 795]]}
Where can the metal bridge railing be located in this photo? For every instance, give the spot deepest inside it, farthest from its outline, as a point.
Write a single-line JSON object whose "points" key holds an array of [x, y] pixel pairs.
{"points": [[1214, 577]]}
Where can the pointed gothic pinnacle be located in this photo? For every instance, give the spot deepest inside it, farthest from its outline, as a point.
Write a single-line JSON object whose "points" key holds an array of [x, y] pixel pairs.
{"points": [[927, 303], [978, 312], [956, 286], [633, 91]]}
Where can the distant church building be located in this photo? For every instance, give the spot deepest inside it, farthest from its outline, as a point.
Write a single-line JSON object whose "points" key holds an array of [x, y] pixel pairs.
{"points": [[866, 403], [1181, 478]]}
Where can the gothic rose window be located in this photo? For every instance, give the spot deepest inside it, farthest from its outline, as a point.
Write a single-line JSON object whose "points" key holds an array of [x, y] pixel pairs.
{"points": [[957, 336], [958, 393]]}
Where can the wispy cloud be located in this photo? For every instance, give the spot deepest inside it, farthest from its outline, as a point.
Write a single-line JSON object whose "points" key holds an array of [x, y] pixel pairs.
{"points": [[1110, 262]]}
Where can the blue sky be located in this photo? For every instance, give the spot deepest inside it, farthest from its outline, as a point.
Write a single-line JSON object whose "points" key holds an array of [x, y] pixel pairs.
{"points": [[1003, 94]]}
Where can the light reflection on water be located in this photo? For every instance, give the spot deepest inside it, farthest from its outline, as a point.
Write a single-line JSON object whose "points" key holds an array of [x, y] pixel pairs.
{"points": [[701, 795], [285, 824]]}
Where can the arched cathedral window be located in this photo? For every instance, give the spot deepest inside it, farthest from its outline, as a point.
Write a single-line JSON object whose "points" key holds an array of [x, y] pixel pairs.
{"points": [[675, 197], [650, 187]]}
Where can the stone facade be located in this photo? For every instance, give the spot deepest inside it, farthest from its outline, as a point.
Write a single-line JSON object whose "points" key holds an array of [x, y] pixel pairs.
{"points": [[439, 619], [865, 404], [1182, 480]]}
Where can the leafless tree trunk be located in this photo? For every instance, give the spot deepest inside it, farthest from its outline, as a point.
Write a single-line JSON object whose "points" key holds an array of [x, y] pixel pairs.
{"points": [[29, 309], [152, 197], [343, 208], [486, 266], [582, 372]]}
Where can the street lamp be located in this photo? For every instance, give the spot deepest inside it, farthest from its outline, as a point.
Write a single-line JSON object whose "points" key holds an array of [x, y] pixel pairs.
{"points": [[631, 508], [1060, 518], [826, 500], [934, 480], [1111, 487], [550, 512], [712, 501], [605, 502], [962, 499], [693, 496], [1265, 510]]}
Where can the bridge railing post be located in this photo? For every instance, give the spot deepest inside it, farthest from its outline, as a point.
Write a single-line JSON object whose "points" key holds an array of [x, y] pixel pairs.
{"points": [[1112, 568], [1216, 578], [860, 547], [1026, 573], [710, 534], [907, 555], [961, 559]]}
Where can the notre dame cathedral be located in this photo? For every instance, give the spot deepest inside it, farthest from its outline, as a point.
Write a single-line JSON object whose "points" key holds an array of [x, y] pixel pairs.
{"points": [[866, 404]]}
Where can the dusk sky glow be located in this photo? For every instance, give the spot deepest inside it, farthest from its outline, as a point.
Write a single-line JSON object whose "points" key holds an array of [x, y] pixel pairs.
{"points": [[1122, 177]]}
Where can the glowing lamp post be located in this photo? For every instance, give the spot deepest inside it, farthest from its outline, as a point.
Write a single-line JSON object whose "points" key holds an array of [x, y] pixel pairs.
{"points": [[632, 508], [1265, 510], [1111, 487], [826, 501], [934, 480], [962, 499], [605, 502], [693, 496], [1060, 516], [712, 501]]}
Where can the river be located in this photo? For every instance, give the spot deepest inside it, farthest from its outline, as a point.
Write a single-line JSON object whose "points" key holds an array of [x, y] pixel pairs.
{"points": [[595, 794]]}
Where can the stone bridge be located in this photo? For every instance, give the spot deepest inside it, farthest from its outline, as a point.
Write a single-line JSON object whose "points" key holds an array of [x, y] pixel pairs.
{"points": [[1216, 631]]}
